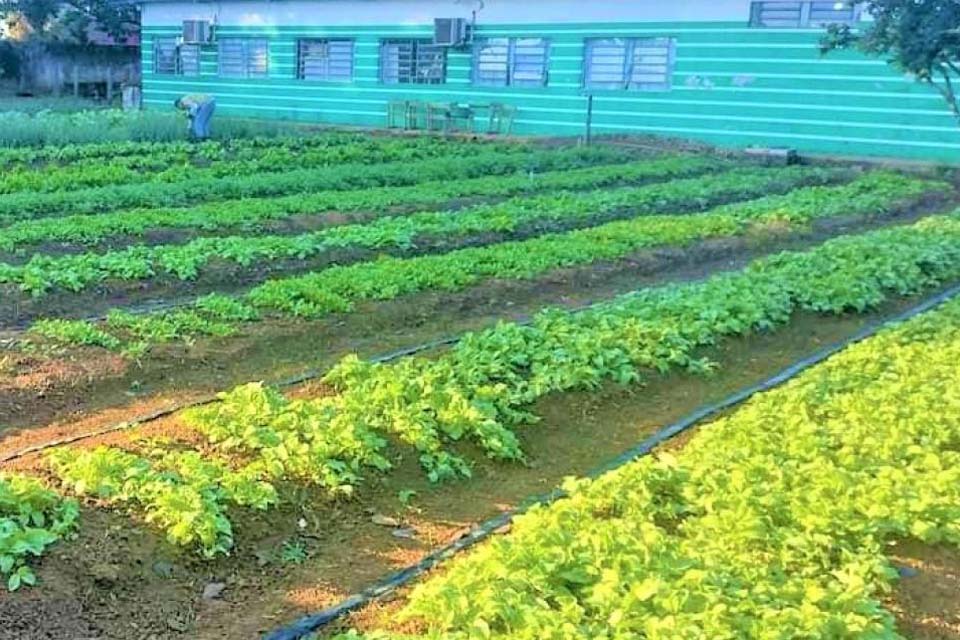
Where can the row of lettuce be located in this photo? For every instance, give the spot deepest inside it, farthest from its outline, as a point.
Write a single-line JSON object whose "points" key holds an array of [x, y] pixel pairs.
{"points": [[75, 272], [281, 154], [340, 288], [556, 171], [772, 522], [481, 389], [461, 162]]}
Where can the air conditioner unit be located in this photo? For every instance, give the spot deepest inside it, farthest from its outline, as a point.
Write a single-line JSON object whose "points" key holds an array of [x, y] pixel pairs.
{"points": [[197, 31], [451, 32]]}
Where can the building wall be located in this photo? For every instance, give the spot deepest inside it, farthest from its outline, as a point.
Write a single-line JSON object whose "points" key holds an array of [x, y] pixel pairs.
{"points": [[733, 85]]}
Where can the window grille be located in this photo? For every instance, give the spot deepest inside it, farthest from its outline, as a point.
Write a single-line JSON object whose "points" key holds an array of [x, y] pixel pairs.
{"points": [[412, 62], [325, 60], [171, 58], [802, 14], [243, 57], [504, 62], [640, 64]]}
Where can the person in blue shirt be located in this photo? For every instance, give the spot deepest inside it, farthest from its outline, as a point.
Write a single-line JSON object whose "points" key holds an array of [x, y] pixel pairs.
{"points": [[199, 109]]}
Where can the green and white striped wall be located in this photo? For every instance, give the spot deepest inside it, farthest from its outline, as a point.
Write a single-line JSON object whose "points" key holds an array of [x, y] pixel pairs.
{"points": [[733, 86]]}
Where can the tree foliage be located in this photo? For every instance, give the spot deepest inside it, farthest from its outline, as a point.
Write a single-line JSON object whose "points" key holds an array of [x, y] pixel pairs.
{"points": [[919, 37], [66, 21]]}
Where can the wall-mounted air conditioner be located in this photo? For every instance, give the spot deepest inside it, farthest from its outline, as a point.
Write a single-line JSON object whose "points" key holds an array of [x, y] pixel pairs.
{"points": [[197, 31], [451, 32]]}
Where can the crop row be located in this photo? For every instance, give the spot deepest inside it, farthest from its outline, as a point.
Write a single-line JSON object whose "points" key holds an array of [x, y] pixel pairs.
{"points": [[338, 288], [260, 160], [209, 150], [480, 389], [32, 517], [77, 271], [24, 206], [773, 522], [250, 213]]}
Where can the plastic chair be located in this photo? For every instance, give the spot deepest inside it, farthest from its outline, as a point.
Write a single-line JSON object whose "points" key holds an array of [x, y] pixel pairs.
{"points": [[438, 116], [501, 118], [397, 114], [461, 117]]}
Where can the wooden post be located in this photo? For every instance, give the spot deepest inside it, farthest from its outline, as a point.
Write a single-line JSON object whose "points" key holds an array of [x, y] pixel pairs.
{"points": [[109, 84], [589, 118], [58, 79], [76, 80]]}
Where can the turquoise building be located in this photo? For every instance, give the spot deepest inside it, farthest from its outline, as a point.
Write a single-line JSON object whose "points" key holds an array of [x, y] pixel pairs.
{"points": [[728, 72]]}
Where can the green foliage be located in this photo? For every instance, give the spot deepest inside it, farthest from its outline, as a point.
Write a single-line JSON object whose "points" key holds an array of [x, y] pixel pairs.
{"points": [[771, 522], [339, 288], [183, 493], [466, 161], [93, 127], [31, 519], [185, 262], [480, 388], [76, 332], [181, 164], [250, 213], [919, 37]]}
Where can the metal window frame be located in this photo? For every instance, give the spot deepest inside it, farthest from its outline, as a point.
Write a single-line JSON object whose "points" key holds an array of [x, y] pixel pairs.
{"points": [[172, 60], [418, 67], [508, 77], [182, 68], [805, 12], [246, 67], [623, 77], [330, 71]]}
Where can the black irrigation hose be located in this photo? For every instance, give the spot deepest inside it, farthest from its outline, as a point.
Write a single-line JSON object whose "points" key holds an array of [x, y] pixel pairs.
{"points": [[306, 376], [310, 374], [308, 624]]}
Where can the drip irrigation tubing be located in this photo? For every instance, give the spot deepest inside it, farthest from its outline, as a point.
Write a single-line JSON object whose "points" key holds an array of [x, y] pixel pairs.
{"points": [[391, 582], [306, 376]]}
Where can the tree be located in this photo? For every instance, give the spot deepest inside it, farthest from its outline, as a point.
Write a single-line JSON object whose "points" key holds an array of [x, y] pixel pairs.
{"points": [[919, 37], [66, 21]]}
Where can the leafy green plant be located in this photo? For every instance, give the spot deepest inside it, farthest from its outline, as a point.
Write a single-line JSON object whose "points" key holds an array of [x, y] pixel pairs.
{"points": [[771, 522], [182, 492], [32, 518], [250, 213], [185, 262]]}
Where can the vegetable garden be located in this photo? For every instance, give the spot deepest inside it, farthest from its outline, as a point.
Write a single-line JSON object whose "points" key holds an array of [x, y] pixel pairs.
{"points": [[242, 380]]}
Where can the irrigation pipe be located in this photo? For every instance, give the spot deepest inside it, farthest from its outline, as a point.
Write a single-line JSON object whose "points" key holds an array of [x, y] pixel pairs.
{"points": [[308, 375], [389, 583]]}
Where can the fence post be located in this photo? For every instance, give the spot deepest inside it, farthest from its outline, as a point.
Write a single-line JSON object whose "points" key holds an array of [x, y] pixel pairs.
{"points": [[76, 80], [589, 119], [109, 84]]}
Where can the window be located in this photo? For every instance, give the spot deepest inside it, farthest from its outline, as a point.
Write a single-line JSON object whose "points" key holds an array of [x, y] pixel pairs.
{"points": [[325, 60], [412, 62], [243, 57], [640, 64], [171, 58], [802, 14], [519, 62]]}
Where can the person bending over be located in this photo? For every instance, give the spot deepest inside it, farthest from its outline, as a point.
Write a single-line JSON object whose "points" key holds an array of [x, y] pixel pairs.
{"points": [[199, 109]]}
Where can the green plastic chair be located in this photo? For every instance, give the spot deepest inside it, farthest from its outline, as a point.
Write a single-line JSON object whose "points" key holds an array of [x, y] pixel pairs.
{"points": [[397, 114], [501, 118]]}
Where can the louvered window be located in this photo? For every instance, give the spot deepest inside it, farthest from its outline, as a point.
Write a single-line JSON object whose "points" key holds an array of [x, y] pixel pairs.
{"points": [[171, 58], [325, 60], [243, 57], [802, 14], [640, 64], [412, 62], [520, 62]]}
